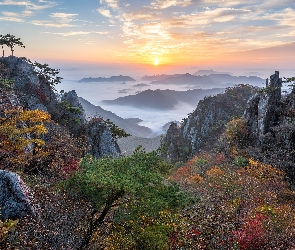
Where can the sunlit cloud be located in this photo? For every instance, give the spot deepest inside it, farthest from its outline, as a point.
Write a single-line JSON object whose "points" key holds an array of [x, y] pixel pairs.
{"points": [[29, 5], [63, 17], [101, 32], [46, 23], [162, 4], [111, 3], [104, 12], [11, 19], [73, 33], [11, 2]]}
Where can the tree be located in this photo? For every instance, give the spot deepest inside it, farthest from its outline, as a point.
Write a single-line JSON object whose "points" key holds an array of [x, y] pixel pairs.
{"points": [[116, 131], [291, 81], [21, 136], [49, 74], [134, 185], [10, 41]]}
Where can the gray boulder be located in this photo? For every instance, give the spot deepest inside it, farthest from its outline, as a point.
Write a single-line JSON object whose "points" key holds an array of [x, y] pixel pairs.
{"points": [[14, 200], [100, 139]]}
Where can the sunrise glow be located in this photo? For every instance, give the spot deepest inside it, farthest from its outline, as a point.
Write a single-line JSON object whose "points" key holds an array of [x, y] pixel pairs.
{"points": [[153, 32], [156, 61]]}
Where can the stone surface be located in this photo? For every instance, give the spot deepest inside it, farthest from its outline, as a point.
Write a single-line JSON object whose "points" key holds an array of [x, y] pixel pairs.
{"points": [[203, 127], [101, 141], [14, 200], [35, 92]]}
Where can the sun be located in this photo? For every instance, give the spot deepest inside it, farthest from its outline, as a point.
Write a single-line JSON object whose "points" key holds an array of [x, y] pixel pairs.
{"points": [[156, 61]]}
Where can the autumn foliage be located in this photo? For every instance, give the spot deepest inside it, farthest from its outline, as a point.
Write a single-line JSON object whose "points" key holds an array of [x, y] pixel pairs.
{"points": [[239, 207], [21, 134]]}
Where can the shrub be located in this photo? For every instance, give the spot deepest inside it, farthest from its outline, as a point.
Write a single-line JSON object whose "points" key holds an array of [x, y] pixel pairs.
{"points": [[236, 132], [6, 227]]}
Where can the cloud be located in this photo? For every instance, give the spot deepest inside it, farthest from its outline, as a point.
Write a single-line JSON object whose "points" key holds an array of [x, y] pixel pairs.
{"points": [[63, 17], [29, 5], [73, 33], [101, 32], [11, 2], [104, 12], [61, 20], [111, 3], [11, 19], [46, 23], [12, 16], [163, 4]]}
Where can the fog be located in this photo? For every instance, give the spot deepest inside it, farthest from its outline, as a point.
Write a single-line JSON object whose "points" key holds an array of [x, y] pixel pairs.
{"points": [[97, 92]]}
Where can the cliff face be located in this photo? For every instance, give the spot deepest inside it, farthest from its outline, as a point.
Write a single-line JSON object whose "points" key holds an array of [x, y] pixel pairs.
{"points": [[35, 90], [270, 118], [206, 123]]}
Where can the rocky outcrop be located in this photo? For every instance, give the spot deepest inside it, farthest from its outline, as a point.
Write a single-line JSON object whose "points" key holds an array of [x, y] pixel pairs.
{"points": [[101, 140], [263, 109], [36, 91], [14, 197], [33, 93], [203, 127], [270, 118]]}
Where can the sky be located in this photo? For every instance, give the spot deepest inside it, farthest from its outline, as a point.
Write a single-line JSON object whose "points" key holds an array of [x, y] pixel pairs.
{"points": [[203, 34]]}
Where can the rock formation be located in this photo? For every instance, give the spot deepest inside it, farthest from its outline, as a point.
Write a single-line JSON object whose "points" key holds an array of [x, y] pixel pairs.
{"points": [[270, 118], [34, 91], [262, 111], [14, 197], [204, 126]]}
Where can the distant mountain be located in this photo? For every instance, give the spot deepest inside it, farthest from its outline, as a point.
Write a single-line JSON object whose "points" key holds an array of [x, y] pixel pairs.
{"points": [[110, 79], [206, 72], [146, 99], [192, 96], [157, 77], [229, 79], [164, 99], [186, 79], [212, 80], [130, 125]]}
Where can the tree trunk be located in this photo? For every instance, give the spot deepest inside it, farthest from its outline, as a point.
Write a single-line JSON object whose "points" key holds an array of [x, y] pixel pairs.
{"points": [[94, 223]]}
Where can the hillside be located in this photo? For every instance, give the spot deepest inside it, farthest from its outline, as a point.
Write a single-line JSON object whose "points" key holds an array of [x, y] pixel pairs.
{"points": [[164, 99], [147, 99], [129, 125]]}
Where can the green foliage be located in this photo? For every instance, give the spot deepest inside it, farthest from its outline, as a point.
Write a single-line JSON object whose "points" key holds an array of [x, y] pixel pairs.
{"points": [[69, 113], [49, 74], [6, 227], [10, 41], [241, 161], [291, 82], [69, 108], [267, 90], [5, 84], [115, 130], [136, 184]]}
